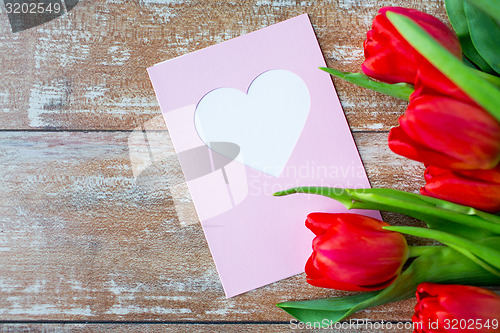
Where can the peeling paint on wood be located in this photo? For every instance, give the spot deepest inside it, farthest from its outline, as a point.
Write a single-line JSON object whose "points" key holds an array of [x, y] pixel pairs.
{"points": [[87, 231], [187, 327], [91, 63], [87, 239]]}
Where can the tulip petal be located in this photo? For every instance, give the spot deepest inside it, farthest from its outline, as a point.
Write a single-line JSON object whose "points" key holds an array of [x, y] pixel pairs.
{"points": [[381, 61], [430, 24], [465, 191], [355, 250], [315, 278], [490, 175], [442, 303], [401, 144], [389, 57], [432, 123]]}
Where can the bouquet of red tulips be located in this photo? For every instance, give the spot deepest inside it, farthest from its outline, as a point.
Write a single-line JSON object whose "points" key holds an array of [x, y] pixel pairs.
{"points": [[452, 125]]}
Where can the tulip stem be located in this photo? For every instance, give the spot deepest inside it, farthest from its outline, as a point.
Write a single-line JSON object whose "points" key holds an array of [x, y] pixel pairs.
{"points": [[417, 251], [400, 90], [490, 257], [438, 214], [491, 78]]}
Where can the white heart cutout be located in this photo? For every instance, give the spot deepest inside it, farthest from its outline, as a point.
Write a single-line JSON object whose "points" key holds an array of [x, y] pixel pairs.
{"points": [[266, 122]]}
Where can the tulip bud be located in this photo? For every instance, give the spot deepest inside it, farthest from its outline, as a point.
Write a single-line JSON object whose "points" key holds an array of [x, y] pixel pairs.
{"points": [[448, 133], [353, 252], [474, 188], [456, 308], [390, 58]]}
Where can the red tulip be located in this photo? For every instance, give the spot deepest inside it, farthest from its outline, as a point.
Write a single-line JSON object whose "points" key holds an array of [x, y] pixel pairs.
{"points": [[447, 132], [389, 58], [475, 188], [455, 308], [353, 252]]}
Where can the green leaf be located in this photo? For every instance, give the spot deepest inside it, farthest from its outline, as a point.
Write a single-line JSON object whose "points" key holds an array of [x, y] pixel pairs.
{"points": [[456, 14], [399, 90], [483, 92], [476, 259], [485, 35], [486, 253], [443, 265], [490, 7], [489, 77], [417, 251], [332, 308], [438, 214], [469, 63]]}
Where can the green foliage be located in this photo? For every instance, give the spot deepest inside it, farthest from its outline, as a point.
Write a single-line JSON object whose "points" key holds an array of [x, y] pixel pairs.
{"points": [[399, 90]]}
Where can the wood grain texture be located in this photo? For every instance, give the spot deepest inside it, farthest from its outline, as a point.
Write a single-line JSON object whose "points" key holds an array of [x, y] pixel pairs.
{"points": [[83, 238], [89, 226], [181, 328], [91, 63]]}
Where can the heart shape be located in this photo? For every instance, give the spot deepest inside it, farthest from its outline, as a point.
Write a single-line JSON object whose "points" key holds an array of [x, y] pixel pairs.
{"points": [[265, 123]]}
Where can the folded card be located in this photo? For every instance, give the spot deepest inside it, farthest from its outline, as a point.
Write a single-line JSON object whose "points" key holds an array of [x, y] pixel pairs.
{"points": [[249, 117]]}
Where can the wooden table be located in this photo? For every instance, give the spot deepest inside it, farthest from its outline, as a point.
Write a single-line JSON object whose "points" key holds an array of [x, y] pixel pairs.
{"points": [[86, 246]]}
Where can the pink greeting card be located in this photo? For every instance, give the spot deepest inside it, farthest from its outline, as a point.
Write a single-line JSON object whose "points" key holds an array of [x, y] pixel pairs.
{"points": [[249, 117]]}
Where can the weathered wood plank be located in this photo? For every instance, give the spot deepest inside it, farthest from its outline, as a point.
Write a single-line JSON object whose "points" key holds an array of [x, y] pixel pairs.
{"points": [[181, 328], [87, 69], [81, 238], [89, 227]]}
